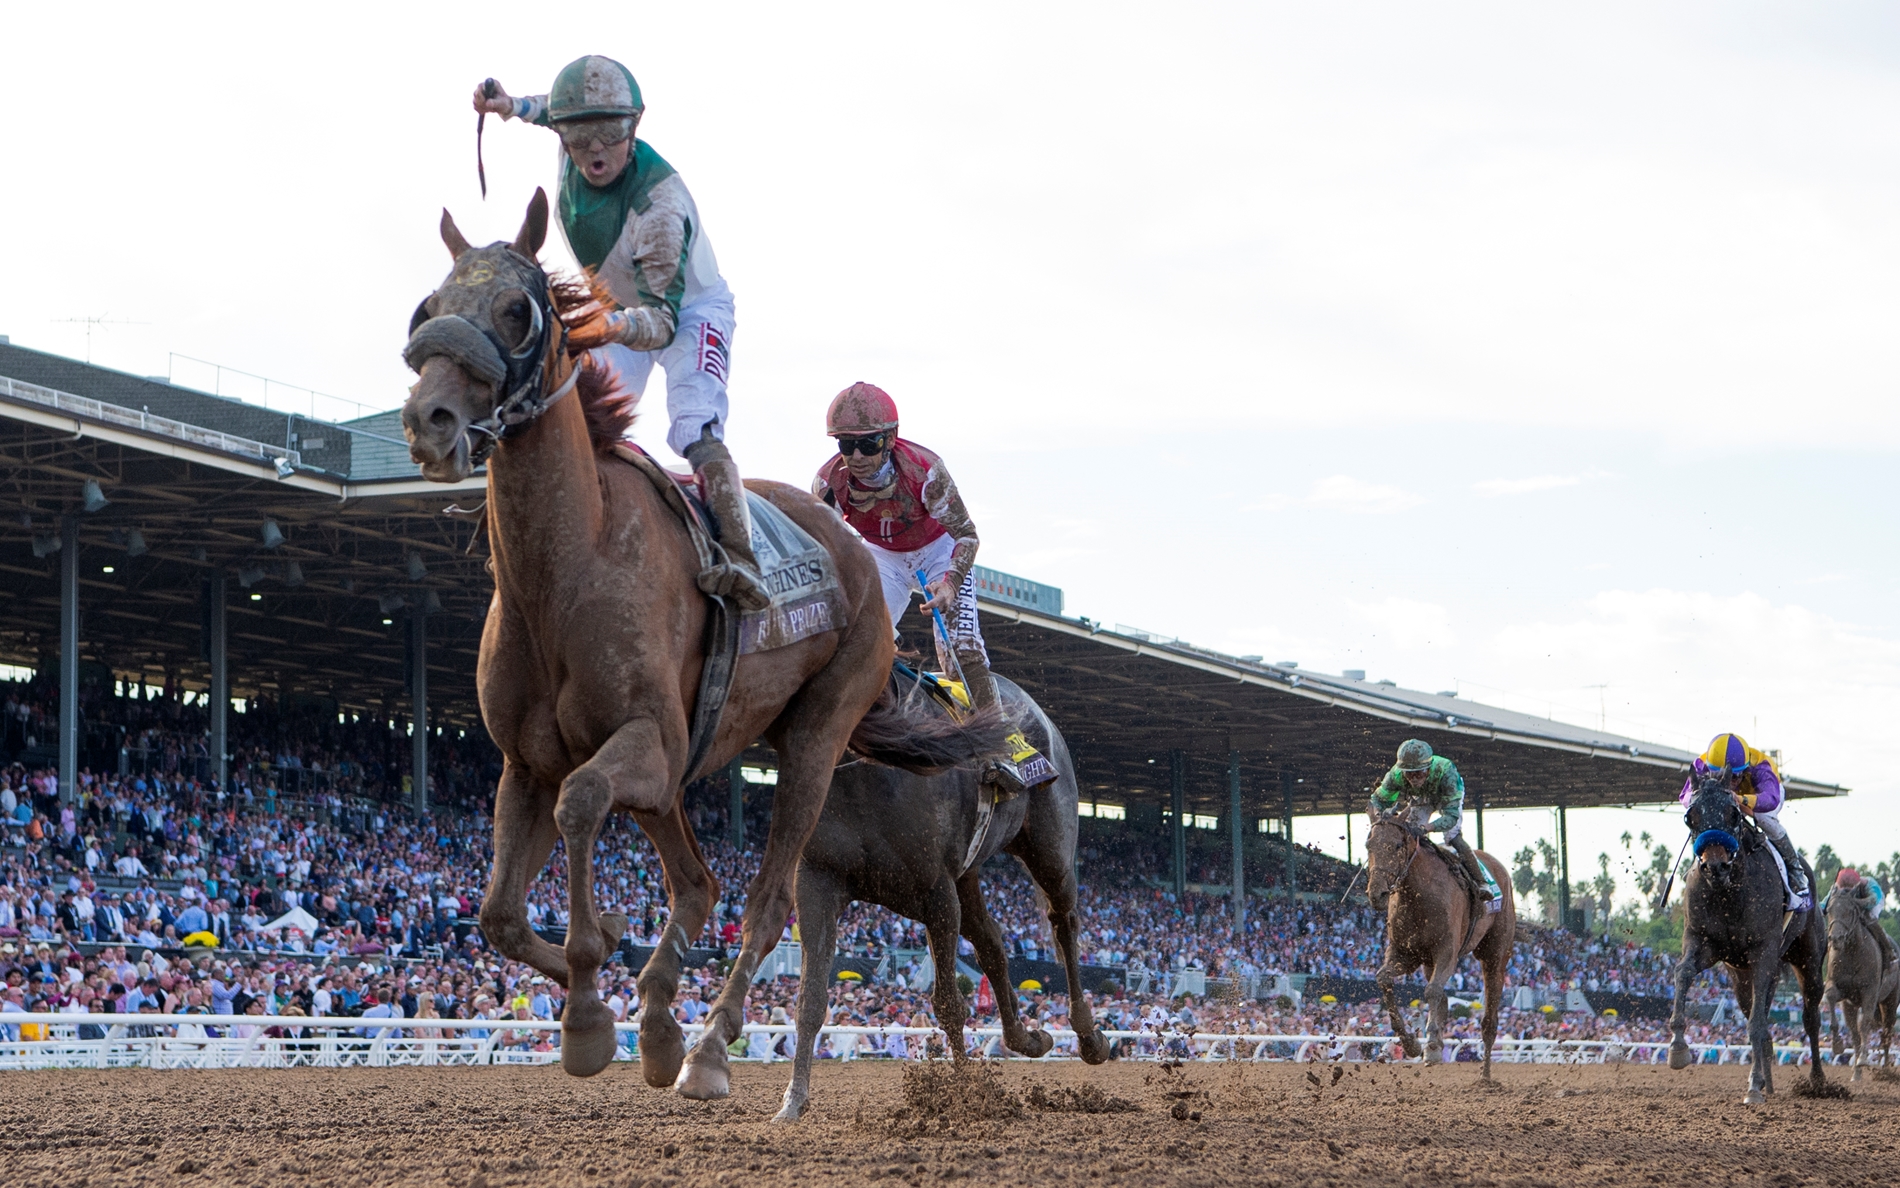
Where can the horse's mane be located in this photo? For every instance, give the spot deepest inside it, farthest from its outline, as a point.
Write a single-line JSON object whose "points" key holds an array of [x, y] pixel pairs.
{"points": [[583, 303]]}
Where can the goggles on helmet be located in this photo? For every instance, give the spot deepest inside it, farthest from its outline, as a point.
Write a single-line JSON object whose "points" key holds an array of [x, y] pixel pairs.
{"points": [[580, 136]]}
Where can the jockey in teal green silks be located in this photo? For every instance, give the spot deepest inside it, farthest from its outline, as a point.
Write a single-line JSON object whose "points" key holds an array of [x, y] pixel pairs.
{"points": [[1429, 782]]}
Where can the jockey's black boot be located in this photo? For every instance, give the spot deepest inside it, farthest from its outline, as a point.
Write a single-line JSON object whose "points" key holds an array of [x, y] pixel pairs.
{"points": [[1473, 867], [737, 576], [1797, 877], [1024, 767]]}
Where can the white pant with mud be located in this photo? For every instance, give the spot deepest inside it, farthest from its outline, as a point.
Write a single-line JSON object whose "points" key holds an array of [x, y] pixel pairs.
{"points": [[696, 363], [899, 574]]}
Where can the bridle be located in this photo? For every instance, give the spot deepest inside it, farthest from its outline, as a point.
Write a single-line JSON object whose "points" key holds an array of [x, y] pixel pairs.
{"points": [[1418, 845], [520, 372]]}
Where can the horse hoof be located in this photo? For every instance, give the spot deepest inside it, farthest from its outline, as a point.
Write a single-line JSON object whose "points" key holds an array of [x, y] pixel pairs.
{"points": [[662, 1048], [586, 1052], [1678, 1056], [1036, 1044], [1856, 1075], [705, 1077], [613, 926], [792, 1110], [1093, 1048], [1754, 1097], [1412, 1050]]}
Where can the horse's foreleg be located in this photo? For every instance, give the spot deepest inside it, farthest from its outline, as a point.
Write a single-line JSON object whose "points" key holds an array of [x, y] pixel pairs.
{"points": [[691, 891], [1761, 977], [525, 834], [1850, 1011], [1694, 961], [1830, 1006], [1387, 979], [623, 771], [820, 898], [984, 933], [804, 777]]}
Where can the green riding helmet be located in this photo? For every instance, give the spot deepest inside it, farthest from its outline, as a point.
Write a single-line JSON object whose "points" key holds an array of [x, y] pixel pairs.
{"points": [[1415, 754], [594, 88]]}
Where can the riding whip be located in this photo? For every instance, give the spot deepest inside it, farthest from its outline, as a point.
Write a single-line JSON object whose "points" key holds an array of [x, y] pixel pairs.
{"points": [[489, 87], [1354, 883], [1663, 900], [943, 631]]}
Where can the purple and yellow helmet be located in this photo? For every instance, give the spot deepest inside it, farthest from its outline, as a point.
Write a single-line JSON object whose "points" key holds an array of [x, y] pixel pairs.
{"points": [[1727, 751]]}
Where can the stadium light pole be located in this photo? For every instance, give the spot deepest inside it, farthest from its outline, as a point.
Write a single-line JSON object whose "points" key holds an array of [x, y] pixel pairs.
{"points": [[1233, 829], [69, 659], [1177, 779]]}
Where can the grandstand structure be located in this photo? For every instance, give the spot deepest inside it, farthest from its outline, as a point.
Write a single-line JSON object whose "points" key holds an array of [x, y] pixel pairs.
{"points": [[153, 534]]}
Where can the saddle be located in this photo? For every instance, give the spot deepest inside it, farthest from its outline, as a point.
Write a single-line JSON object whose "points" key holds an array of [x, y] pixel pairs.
{"points": [[799, 575]]}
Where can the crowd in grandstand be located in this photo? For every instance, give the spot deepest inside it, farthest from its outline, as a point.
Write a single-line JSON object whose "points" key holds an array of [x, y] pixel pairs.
{"points": [[308, 887]]}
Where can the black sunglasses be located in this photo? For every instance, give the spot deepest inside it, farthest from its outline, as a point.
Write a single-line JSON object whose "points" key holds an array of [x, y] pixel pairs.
{"points": [[867, 446]]}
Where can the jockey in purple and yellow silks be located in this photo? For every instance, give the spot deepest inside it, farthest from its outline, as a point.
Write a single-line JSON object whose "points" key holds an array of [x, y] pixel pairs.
{"points": [[1756, 786]]}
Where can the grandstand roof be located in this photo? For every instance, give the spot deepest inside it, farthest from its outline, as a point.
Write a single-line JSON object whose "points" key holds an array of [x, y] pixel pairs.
{"points": [[198, 476]]}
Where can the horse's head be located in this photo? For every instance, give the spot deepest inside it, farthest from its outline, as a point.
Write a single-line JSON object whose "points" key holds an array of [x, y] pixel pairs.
{"points": [[1717, 823], [1391, 846], [1844, 913], [479, 344]]}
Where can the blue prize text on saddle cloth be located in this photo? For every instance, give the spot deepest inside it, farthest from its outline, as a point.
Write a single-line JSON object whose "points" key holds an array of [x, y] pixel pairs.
{"points": [[799, 575]]}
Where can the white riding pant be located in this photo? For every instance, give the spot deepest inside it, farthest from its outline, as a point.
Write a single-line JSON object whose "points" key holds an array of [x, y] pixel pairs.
{"points": [[1770, 823], [899, 573], [696, 363]]}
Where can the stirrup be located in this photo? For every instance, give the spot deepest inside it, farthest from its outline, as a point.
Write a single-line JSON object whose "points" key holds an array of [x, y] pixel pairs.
{"points": [[730, 579]]}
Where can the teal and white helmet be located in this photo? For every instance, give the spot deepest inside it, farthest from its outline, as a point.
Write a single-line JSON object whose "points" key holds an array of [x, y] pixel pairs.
{"points": [[1415, 754], [594, 88]]}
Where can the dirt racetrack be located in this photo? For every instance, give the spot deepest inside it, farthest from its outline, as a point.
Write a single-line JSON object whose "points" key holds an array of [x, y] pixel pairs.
{"points": [[1206, 1124]]}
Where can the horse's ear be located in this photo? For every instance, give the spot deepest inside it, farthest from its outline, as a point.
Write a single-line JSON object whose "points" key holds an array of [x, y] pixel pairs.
{"points": [[452, 235], [534, 228]]}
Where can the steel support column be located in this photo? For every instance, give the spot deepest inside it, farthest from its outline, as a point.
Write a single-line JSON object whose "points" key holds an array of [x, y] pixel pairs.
{"points": [[1177, 778], [1563, 866], [1233, 819], [735, 813], [419, 710], [1286, 835], [69, 658], [1479, 797], [220, 707]]}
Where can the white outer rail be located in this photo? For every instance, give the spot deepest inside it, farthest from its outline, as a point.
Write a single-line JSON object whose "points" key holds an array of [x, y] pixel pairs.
{"points": [[179, 1041]]}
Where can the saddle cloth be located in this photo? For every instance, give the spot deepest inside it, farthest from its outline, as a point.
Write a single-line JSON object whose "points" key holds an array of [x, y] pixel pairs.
{"points": [[1493, 905], [1795, 903], [799, 574]]}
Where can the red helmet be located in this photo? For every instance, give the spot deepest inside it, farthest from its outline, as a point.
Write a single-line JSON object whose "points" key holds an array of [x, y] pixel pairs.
{"points": [[861, 408]]}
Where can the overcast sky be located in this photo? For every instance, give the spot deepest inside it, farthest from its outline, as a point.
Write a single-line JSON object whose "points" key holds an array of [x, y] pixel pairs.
{"points": [[1547, 356]]}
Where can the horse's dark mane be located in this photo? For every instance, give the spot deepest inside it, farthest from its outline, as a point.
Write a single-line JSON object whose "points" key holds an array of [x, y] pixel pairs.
{"points": [[582, 302]]}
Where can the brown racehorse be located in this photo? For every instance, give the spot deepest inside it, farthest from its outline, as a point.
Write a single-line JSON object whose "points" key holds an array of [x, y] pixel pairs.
{"points": [[591, 657], [1428, 922]]}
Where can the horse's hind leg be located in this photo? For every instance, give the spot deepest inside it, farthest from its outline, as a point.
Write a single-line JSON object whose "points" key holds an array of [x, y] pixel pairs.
{"points": [[942, 917], [623, 772], [1053, 868], [690, 892], [983, 932], [525, 834], [820, 898], [1495, 961], [806, 759]]}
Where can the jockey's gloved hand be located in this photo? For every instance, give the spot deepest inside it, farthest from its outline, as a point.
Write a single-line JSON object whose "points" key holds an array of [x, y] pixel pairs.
{"points": [[617, 326], [1441, 823], [501, 104]]}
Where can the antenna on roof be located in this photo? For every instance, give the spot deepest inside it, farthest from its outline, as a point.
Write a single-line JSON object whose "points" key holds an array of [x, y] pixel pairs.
{"points": [[98, 321]]}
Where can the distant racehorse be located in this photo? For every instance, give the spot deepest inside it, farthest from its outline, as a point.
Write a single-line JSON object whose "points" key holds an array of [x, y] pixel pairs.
{"points": [[1866, 986], [916, 845], [1428, 922], [1736, 913]]}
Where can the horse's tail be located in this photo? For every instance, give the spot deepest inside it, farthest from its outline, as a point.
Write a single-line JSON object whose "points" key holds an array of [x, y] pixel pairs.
{"points": [[912, 731]]}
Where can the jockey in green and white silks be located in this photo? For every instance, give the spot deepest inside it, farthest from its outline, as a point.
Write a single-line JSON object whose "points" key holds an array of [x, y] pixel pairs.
{"points": [[630, 220], [1430, 783]]}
